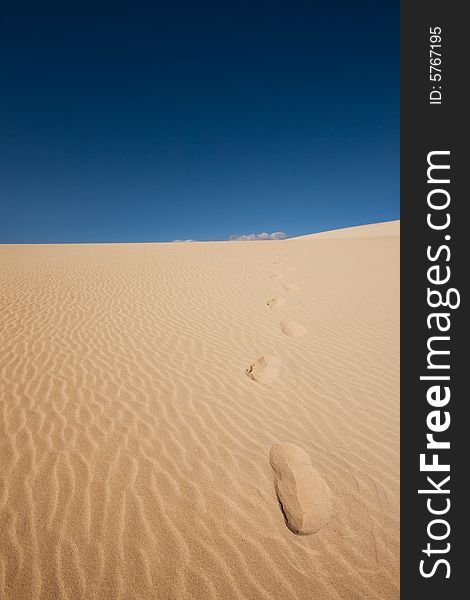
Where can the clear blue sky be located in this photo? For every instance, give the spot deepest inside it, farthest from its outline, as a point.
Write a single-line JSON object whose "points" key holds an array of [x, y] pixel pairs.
{"points": [[153, 121]]}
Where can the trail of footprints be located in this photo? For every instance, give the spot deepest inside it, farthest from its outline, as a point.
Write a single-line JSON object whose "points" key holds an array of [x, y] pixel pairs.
{"points": [[267, 367], [305, 499]]}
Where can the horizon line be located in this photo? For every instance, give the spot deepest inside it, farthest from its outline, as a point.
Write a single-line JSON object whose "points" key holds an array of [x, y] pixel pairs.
{"points": [[190, 241]]}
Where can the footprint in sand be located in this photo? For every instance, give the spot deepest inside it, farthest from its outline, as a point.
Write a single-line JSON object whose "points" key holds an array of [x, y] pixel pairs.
{"points": [[276, 302], [292, 329], [305, 498], [290, 287], [264, 369]]}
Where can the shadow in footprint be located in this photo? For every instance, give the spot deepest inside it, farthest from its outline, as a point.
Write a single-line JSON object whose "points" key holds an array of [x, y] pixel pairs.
{"points": [[304, 497], [264, 369], [290, 287], [292, 329], [276, 302]]}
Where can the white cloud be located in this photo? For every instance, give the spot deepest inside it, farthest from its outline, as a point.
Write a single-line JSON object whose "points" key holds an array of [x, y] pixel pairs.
{"points": [[276, 235]]}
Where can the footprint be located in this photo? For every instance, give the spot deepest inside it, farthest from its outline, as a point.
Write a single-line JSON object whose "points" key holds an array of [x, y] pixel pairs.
{"points": [[276, 302], [264, 369], [275, 276], [305, 498], [292, 329], [290, 287]]}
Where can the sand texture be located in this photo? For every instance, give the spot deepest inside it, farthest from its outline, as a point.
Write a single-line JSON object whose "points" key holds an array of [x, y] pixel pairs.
{"points": [[142, 388]]}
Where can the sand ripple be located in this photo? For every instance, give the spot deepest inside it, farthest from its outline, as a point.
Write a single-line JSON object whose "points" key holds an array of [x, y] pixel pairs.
{"points": [[133, 447]]}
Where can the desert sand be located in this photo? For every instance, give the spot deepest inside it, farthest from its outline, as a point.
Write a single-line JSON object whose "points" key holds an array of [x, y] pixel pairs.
{"points": [[144, 392]]}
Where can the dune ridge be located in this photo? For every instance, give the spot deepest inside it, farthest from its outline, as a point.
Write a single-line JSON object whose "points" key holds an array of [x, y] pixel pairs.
{"points": [[134, 449]]}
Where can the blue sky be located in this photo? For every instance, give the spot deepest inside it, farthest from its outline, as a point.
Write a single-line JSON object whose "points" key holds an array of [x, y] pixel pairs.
{"points": [[156, 121]]}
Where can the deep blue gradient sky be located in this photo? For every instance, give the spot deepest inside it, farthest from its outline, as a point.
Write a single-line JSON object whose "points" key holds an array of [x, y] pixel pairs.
{"points": [[150, 122]]}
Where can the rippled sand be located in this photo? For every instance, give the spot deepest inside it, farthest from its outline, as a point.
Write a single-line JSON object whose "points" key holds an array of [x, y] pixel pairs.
{"points": [[134, 457]]}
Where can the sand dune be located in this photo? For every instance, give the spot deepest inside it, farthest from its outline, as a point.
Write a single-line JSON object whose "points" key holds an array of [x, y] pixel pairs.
{"points": [[135, 450]]}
